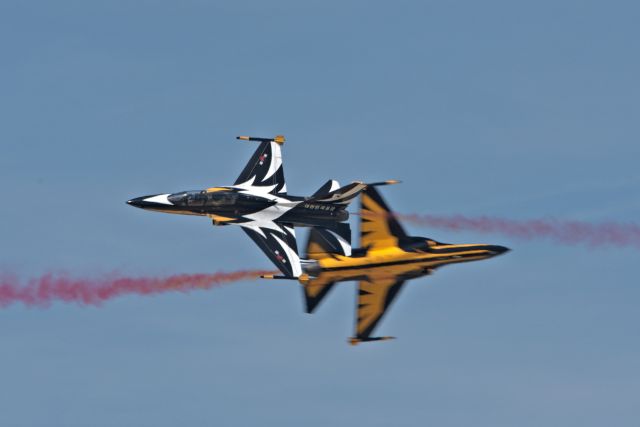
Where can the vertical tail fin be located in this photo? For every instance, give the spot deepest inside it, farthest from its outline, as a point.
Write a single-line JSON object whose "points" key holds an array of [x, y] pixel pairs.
{"points": [[324, 243]]}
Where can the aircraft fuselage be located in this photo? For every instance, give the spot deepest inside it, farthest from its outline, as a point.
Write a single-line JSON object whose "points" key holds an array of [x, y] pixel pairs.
{"points": [[233, 205], [409, 262]]}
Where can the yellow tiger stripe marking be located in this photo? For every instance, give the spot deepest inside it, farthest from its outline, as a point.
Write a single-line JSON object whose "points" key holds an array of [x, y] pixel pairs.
{"points": [[315, 251], [371, 298], [375, 231]]}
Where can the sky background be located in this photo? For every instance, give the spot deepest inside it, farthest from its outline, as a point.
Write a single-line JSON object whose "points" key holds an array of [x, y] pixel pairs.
{"points": [[514, 109]]}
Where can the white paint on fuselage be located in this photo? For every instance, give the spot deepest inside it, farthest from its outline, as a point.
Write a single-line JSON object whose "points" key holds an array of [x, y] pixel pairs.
{"points": [[160, 198], [271, 213], [267, 215]]}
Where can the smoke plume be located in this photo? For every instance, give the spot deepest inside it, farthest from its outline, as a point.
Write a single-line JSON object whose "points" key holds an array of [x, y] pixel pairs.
{"points": [[44, 290], [567, 232], [49, 288]]}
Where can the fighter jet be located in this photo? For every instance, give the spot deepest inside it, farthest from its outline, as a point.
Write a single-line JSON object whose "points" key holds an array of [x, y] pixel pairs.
{"points": [[386, 260], [259, 203]]}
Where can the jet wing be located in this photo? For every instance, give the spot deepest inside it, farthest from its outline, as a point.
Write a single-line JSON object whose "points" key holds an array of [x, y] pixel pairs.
{"points": [[264, 168], [374, 298], [278, 242]]}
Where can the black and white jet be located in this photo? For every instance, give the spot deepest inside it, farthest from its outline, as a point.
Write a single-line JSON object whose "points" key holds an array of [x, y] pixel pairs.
{"points": [[259, 203]]}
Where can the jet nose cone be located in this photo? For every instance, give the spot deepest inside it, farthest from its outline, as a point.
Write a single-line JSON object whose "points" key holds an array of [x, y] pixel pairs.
{"points": [[499, 250], [137, 202]]}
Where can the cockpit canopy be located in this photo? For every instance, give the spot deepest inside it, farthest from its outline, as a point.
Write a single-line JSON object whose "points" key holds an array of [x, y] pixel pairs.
{"points": [[420, 243], [202, 198], [178, 199]]}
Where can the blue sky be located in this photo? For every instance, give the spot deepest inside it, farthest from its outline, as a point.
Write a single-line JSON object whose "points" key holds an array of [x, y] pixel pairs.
{"points": [[515, 109]]}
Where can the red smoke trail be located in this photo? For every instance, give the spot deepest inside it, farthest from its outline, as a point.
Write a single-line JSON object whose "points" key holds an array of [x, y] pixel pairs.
{"points": [[569, 232], [42, 291]]}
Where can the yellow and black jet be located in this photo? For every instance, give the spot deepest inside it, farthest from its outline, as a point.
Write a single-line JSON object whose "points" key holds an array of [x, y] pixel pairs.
{"points": [[388, 257]]}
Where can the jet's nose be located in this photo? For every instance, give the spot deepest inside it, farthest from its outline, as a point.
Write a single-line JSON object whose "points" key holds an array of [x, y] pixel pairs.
{"points": [[498, 250], [135, 202], [140, 202], [153, 202]]}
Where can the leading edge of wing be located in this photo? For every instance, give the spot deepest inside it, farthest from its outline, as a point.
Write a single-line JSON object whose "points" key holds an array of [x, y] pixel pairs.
{"points": [[278, 242]]}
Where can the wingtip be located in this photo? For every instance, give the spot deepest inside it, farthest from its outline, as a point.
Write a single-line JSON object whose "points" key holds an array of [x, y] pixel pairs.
{"points": [[387, 182], [278, 139], [356, 340]]}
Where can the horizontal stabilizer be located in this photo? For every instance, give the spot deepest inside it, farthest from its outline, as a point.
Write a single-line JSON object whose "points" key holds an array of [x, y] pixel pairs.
{"points": [[315, 291], [327, 242], [381, 183], [343, 195], [342, 229], [324, 243]]}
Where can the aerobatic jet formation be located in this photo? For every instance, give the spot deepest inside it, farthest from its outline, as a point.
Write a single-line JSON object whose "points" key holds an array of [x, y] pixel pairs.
{"points": [[386, 260], [258, 202]]}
